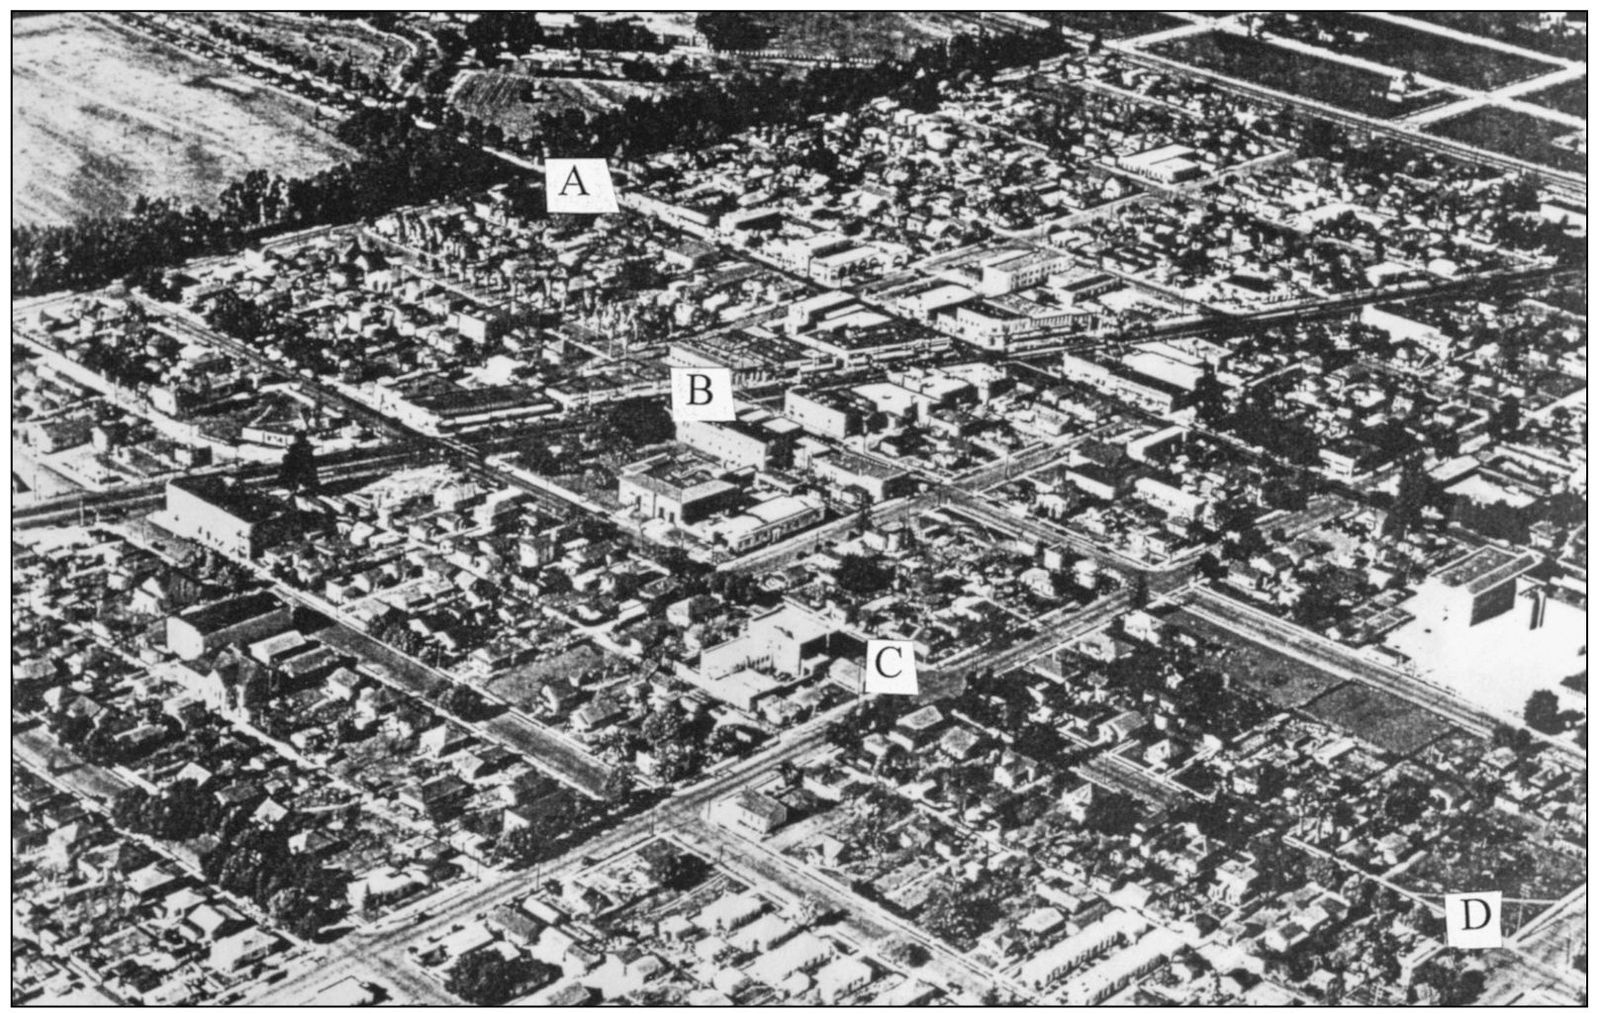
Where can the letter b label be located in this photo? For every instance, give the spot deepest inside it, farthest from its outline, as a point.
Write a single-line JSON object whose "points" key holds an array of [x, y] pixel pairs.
{"points": [[701, 394], [1473, 919], [889, 668]]}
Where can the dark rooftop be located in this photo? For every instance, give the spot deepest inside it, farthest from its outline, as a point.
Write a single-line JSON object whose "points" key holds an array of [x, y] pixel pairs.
{"points": [[215, 616]]}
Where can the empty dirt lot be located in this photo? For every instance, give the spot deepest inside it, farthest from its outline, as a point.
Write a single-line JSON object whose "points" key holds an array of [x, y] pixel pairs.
{"points": [[100, 115]]}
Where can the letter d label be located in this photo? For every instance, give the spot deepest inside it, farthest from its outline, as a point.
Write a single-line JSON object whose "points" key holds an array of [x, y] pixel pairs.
{"points": [[701, 394], [1473, 919], [889, 667]]}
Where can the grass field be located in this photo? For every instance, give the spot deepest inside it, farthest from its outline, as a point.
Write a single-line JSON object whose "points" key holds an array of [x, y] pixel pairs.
{"points": [[1297, 74], [324, 39], [1284, 682], [1524, 137], [514, 101], [1115, 24], [1570, 97], [1428, 53], [1519, 28], [1380, 718], [100, 115], [522, 685], [870, 35]]}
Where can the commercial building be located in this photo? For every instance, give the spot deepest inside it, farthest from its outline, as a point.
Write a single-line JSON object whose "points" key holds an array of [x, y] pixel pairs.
{"points": [[1475, 587], [1147, 393], [845, 469], [664, 491], [765, 522], [754, 439], [824, 413], [231, 518], [230, 621], [750, 812], [1020, 269]]}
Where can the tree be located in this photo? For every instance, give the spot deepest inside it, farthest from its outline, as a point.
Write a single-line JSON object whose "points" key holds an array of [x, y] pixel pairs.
{"points": [[641, 421], [462, 701], [675, 869], [486, 979], [862, 575], [620, 783], [1111, 813], [1209, 398], [1414, 490], [298, 473], [522, 846], [293, 908], [952, 913], [1542, 711], [664, 726]]}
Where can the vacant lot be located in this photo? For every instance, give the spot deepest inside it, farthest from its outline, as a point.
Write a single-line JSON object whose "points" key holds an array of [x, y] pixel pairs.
{"points": [[1116, 24], [331, 42], [100, 115], [872, 35], [1511, 133], [1380, 718], [1570, 97], [1518, 28], [1284, 682], [1497, 852], [514, 101], [1426, 53], [522, 685], [1308, 77]]}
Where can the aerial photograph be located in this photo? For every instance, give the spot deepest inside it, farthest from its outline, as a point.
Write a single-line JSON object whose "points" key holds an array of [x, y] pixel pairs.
{"points": [[763, 508]]}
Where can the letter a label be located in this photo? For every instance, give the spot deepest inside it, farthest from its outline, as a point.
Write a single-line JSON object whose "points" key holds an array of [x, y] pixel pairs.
{"points": [[1473, 919], [579, 186], [890, 668], [701, 394]]}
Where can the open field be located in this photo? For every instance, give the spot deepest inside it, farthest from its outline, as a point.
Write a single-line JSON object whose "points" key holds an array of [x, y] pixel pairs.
{"points": [[1298, 74], [1284, 682], [1570, 98], [1518, 28], [1380, 718], [1115, 24], [1423, 52], [515, 101], [1525, 137], [870, 35], [331, 42], [100, 115]]}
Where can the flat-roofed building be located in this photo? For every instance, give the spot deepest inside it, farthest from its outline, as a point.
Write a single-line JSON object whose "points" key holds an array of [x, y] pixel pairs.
{"points": [[232, 518], [825, 413], [238, 620], [682, 497], [846, 469], [1475, 587]]}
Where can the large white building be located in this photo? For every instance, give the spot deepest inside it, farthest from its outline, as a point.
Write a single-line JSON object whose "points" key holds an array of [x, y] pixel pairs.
{"points": [[233, 519]]}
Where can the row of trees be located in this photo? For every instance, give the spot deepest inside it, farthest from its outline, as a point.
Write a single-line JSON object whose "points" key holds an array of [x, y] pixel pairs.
{"points": [[400, 162]]}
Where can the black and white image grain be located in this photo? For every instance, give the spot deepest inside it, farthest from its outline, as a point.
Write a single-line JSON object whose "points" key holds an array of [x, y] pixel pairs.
{"points": [[787, 508]]}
